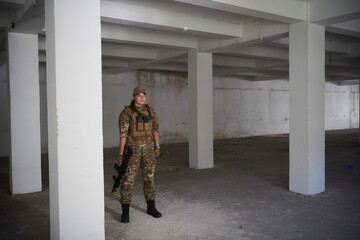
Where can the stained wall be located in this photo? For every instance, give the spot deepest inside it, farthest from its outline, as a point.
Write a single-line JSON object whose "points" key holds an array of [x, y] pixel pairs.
{"points": [[241, 108]]}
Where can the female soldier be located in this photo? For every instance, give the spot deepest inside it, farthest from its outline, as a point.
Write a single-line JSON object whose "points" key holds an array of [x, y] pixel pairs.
{"points": [[139, 130]]}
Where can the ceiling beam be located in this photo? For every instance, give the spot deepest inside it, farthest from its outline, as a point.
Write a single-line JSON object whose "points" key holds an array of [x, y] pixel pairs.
{"points": [[124, 51], [146, 37], [12, 3], [30, 18], [111, 62], [235, 63], [341, 69], [275, 73], [261, 64], [226, 71], [328, 12], [344, 82], [224, 63], [258, 65], [116, 50], [261, 52], [275, 10], [349, 75], [342, 31], [255, 32], [330, 45], [353, 25], [163, 56], [269, 78], [171, 66], [231, 61], [342, 78], [119, 58], [220, 60], [154, 18]]}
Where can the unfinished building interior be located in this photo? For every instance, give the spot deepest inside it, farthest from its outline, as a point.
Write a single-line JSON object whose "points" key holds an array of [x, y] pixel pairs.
{"points": [[258, 102]]}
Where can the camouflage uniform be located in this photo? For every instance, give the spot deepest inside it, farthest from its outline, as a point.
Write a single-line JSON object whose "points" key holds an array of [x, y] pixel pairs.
{"points": [[142, 144]]}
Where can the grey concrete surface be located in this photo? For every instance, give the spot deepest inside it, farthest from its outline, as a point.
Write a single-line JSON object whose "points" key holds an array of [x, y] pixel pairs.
{"points": [[245, 196]]}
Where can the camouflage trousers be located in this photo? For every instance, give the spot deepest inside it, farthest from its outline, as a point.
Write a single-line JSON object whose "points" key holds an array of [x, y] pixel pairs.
{"points": [[143, 156]]}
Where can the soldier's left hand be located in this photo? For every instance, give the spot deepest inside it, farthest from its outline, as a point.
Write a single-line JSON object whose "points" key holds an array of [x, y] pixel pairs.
{"points": [[156, 152], [120, 159]]}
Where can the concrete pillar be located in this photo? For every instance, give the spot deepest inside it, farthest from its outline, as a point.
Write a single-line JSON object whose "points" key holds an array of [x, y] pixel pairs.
{"points": [[307, 97], [74, 100], [201, 153], [25, 143]]}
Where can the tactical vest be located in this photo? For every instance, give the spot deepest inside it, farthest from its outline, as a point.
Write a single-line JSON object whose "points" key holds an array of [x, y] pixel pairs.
{"points": [[139, 128]]}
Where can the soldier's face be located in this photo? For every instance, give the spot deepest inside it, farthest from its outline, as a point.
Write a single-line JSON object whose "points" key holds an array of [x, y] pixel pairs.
{"points": [[140, 99]]}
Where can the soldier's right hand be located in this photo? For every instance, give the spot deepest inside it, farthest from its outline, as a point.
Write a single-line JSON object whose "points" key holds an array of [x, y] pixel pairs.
{"points": [[156, 152]]}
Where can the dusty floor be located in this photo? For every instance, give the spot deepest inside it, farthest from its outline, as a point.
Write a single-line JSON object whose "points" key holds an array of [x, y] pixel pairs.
{"points": [[245, 196]]}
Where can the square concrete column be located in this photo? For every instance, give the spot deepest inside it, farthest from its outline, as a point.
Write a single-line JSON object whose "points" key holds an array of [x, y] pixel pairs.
{"points": [[201, 149], [307, 97], [25, 152], [74, 100]]}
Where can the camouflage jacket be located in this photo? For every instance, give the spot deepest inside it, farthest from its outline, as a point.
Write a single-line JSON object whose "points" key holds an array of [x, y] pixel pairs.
{"points": [[127, 120]]}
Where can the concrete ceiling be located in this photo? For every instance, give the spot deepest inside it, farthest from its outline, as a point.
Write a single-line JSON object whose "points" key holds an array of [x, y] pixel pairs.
{"points": [[249, 38]]}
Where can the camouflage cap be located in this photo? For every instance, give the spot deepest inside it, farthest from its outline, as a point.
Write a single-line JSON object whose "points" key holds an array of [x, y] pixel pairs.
{"points": [[139, 90]]}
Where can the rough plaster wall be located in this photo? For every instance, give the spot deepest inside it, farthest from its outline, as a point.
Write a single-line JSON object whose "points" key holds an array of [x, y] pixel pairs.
{"points": [[117, 92], [355, 106], [166, 93], [241, 108], [341, 106]]}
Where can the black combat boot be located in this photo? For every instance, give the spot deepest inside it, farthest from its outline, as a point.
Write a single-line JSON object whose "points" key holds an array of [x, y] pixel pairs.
{"points": [[151, 210], [125, 213]]}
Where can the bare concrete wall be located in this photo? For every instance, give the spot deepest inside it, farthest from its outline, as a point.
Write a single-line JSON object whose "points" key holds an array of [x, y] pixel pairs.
{"points": [[341, 106], [117, 92], [244, 108], [167, 93], [241, 108]]}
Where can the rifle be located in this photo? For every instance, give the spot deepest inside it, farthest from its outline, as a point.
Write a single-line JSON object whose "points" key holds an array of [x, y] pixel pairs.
{"points": [[121, 169]]}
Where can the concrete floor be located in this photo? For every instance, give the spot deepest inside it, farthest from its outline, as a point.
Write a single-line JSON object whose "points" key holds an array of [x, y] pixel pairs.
{"points": [[245, 196]]}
